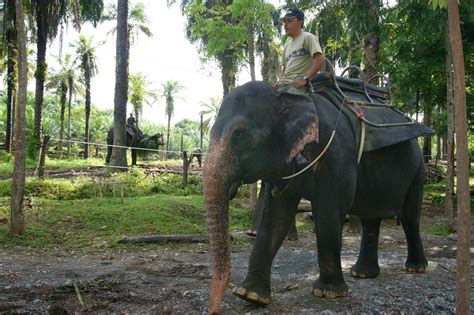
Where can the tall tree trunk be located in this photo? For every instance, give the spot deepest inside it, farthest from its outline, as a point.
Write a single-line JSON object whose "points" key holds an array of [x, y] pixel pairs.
{"points": [[137, 116], [41, 66], [87, 75], [270, 64], [61, 118], [201, 131], [450, 194], [251, 51], [417, 103], [69, 118], [17, 220], [372, 41], [12, 56], [463, 274], [428, 110], [168, 136], [228, 69], [119, 157]]}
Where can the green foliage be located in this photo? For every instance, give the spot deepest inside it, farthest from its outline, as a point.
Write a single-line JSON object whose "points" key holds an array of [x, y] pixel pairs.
{"points": [[133, 184], [137, 21], [139, 93], [441, 230], [99, 223], [173, 184], [215, 28]]}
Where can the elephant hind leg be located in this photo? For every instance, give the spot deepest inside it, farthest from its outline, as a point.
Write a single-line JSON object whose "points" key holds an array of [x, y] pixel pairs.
{"points": [[410, 219], [134, 157], [109, 155], [367, 265]]}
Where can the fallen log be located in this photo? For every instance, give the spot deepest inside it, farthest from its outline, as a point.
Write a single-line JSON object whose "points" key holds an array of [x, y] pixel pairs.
{"points": [[185, 238]]}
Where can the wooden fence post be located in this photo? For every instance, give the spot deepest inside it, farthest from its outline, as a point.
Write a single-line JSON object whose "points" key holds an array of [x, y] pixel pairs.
{"points": [[185, 168]]}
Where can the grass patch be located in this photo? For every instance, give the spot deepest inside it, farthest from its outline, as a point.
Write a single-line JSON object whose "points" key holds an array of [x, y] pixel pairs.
{"points": [[134, 183], [435, 192], [97, 223], [6, 163], [441, 230]]}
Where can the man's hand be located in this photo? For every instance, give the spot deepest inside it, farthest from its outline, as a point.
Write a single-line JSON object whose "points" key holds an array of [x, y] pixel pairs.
{"points": [[299, 83]]}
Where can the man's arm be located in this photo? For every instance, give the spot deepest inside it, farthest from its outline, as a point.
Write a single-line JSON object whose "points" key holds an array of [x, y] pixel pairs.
{"points": [[277, 84], [318, 61]]}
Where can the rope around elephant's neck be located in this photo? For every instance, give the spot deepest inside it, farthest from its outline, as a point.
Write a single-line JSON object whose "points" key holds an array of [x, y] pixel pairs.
{"points": [[315, 160], [325, 148]]}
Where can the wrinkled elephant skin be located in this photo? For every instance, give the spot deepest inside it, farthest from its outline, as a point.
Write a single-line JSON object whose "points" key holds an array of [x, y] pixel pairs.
{"points": [[260, 134]]}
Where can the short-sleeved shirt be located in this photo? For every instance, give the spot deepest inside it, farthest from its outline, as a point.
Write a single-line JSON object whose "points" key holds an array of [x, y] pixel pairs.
{"points": [[298, 56]]}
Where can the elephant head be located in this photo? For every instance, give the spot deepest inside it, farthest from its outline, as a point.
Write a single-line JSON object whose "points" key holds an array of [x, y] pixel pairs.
{"points": [[257, 134]]}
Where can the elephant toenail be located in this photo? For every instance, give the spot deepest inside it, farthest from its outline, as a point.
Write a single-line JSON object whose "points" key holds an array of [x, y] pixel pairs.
{"points": [[318, 292], [239, 291]]}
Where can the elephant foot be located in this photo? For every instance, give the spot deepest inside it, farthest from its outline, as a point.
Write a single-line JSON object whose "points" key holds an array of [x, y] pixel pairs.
{"points": [[292, 237], [416, 267], [364, 271], [252, 296], [329, 291]]}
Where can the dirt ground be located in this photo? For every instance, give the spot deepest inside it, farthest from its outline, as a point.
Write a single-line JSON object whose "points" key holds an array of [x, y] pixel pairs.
{"points": [[174, 279]]}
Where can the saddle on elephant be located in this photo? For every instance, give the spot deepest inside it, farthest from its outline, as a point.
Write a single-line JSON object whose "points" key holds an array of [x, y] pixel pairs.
{"points": [[383, 124]]}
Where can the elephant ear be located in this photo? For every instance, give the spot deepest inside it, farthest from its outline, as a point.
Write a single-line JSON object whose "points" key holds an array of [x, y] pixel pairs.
{"points": [[300, 123]]}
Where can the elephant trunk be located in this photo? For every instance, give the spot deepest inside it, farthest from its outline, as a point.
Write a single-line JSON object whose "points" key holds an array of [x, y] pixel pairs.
{"points": [[216, 184]]}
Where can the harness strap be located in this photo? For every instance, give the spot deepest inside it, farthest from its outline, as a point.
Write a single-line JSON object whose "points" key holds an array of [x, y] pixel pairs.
{"points": [[362, 140]]}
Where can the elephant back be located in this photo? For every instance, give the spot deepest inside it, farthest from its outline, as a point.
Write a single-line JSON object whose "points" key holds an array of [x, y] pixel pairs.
{"points": [[385, 124]]}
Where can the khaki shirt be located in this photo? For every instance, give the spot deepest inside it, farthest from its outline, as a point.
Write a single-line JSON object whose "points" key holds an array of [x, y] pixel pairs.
{"points": [[298, 56]]}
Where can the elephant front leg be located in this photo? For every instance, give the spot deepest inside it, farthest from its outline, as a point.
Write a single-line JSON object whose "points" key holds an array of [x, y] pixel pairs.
{"points": [[278, 214], [367, 265], [331, 282]]}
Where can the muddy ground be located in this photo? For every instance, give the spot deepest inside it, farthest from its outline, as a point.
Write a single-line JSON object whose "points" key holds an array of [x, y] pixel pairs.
{"points": [[174, 279]]}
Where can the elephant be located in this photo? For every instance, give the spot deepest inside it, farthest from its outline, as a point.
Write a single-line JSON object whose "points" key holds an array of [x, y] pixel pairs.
{"points": [[135, 139], [261, 134], [196, 153]]}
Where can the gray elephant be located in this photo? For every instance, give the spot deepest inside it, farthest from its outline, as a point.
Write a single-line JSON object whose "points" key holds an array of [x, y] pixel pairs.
{"points": [[261, 134]]}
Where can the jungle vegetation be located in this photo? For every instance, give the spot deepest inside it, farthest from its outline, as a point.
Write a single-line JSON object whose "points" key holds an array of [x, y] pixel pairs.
{"points": [[407, 40]]}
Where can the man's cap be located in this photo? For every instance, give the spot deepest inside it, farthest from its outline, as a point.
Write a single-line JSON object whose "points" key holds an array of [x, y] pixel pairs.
{"points": [[293, 13]]}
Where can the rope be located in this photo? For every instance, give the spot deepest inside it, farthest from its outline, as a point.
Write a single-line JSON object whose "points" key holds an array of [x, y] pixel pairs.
{"points": [[324, 150], [315, 160], [116, 146], [362, 141]]}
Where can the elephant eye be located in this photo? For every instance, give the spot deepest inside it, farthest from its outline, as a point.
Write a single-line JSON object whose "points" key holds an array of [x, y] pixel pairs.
{"points": [[241, 137]]}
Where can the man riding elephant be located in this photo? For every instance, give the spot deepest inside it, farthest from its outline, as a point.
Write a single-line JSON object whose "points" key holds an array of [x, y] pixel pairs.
{"points": [[302, 56]]}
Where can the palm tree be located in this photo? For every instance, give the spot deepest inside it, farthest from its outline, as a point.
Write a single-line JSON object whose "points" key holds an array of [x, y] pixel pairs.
{"points": [[169, 92], [119, 157], [75, 86], [137, 22], [50, 14], [210, 109], [86, 54], [58, 80], [17, 219], [64, 80], [10, 40], [139, 94]]}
